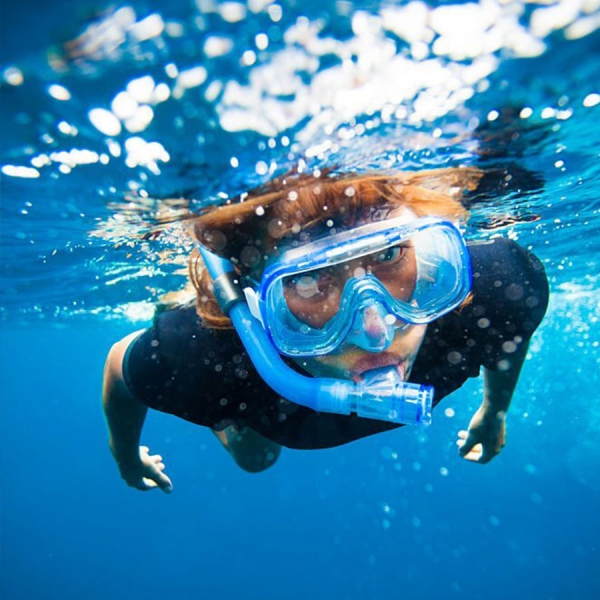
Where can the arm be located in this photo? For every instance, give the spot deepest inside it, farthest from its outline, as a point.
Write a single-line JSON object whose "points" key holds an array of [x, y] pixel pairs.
{"points": [[250, 450], [125, 418], [487, 429]]}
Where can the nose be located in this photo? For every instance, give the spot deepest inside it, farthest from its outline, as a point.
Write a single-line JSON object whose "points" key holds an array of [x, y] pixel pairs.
{"points": [[373, 328], [373, 323]]}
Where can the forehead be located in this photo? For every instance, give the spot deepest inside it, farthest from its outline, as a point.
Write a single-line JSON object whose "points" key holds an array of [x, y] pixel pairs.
{"points": [[329, 225], [332, 224], [376, 214], [373, 222]]}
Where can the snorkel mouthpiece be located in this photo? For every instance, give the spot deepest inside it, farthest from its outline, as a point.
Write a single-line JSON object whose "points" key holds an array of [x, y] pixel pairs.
{"points": [[383, 395], [380, 395]]}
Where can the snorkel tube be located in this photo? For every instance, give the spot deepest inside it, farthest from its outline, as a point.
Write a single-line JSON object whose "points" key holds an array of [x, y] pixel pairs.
{"points": [[380, 395]]}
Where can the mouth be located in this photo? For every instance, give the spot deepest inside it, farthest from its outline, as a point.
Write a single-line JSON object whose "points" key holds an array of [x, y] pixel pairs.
{"points": [[379, 361]]}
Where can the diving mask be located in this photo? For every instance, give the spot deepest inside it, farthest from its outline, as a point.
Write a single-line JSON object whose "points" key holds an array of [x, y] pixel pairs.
{"points": [[360, 286]]}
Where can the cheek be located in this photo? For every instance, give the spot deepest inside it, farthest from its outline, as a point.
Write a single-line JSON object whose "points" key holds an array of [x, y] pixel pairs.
{"points": [[401, 281], [316, 311], [408, 341]]}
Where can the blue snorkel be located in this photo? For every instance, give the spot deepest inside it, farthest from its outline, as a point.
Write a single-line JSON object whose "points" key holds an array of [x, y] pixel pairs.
{"points": [[380, 395]]}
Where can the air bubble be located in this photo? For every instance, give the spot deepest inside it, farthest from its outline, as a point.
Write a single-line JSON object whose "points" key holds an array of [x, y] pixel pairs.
{"points": [[58, 92]]}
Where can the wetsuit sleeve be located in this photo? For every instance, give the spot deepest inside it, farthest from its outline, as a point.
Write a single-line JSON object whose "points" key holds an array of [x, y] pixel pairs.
{"points": [[178, 367], [511, 297], [150, 368]]}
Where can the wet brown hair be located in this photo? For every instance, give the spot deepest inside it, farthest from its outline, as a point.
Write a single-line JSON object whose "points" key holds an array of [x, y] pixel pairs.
{"points": [[251, 227]]}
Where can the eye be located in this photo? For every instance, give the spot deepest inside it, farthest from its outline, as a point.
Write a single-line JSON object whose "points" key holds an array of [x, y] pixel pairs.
{"points": [[390, 255], [305, 286], [316, 286]]}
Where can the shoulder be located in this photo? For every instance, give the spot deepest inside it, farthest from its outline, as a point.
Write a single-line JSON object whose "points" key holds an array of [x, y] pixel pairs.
{"points": [[503, 255], [506, 270], [173, 331], [509, 283], [177, 338], [170, 360], [179, 316], [116, 356]]}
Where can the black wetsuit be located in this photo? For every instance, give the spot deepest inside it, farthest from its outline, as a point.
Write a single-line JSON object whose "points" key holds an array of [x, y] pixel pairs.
{"points": [[206, 377]]}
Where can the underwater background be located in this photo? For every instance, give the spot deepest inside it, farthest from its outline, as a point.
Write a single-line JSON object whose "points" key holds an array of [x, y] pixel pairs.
{"points": [[118, 120]]}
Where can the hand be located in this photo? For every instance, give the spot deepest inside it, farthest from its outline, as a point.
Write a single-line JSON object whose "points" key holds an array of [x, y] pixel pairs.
{"points": [[485, 437], [147, 473]]}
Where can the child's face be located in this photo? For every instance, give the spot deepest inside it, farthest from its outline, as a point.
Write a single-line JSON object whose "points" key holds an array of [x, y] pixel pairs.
{"points": [[397, 270]]}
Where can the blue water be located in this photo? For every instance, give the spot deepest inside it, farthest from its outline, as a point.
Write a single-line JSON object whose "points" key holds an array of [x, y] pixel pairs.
{"points": [[398, 515]]}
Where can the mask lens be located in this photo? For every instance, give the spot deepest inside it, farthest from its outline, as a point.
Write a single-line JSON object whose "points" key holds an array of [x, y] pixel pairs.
{"points": [[441, 270], [396, 269], [314, 297]]}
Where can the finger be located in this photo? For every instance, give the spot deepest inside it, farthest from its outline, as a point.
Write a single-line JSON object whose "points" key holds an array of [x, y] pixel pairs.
{"points": [[472, 458], [488, 454], [163, 482], [156, 458], [481, 455], [166, 485], [469, 446], [474, 450], [463, 434], [474, 455], [144, 484], [160, 466], [147, 484], [466, 445]]}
